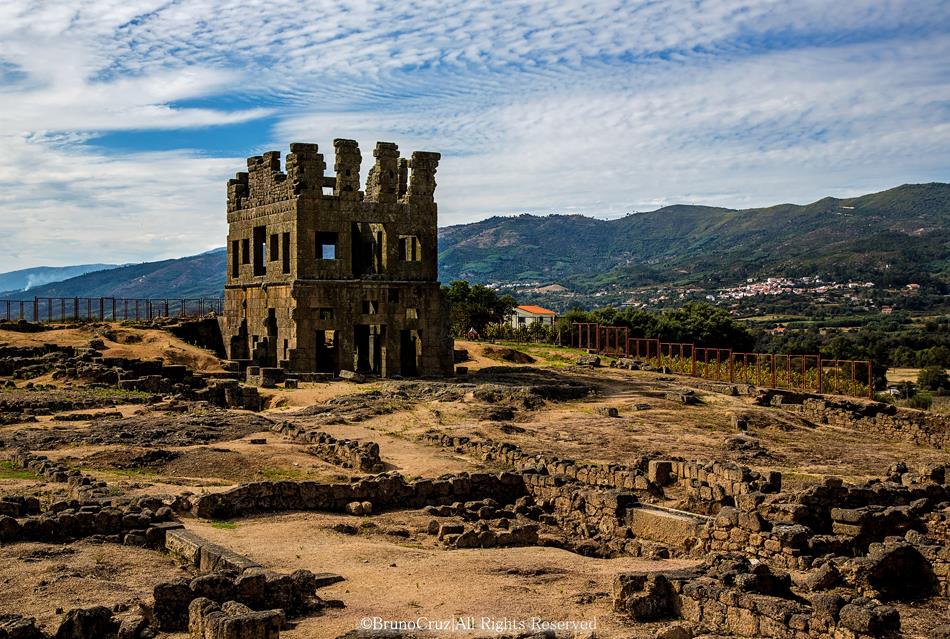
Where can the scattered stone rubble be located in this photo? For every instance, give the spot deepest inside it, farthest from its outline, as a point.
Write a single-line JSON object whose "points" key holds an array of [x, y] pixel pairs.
{"points": [[512, 388], [293, 594], [200, 426], [729, 595], [793, 529], [493, 525], [854, 549], [25, 404], [127, 374]]}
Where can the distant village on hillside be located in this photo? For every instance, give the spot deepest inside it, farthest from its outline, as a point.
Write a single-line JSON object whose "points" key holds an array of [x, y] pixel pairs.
{"points": [[855, 296]]}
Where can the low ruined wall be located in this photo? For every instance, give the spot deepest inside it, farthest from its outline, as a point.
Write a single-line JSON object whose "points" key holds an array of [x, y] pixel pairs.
{"points": [[229, 393], [581, 510], [198, 552], [129, 524], [511, 456], [31, 361], [383, 492], [130, 374], [821, 505], [348, 453], [749, 533], [90, 511], [937, 526], [714, 482], [81, 487], [884, 420]]}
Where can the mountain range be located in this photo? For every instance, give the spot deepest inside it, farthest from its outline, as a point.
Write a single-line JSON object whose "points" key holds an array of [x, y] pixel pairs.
{"points": [[901, 234], [28, 278], [200, 275], [893, 237]]}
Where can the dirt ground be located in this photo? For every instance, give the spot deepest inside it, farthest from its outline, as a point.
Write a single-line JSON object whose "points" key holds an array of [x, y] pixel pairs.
{"points": [[40, 579], [393, 570]]}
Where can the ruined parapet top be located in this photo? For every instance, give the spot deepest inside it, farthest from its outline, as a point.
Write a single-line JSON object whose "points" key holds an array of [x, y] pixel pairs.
{"points": [[383, 181], [347, 167], [391, 179], [422, 180]]}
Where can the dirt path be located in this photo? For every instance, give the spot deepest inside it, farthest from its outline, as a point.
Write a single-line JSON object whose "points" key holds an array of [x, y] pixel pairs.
{"points": [[401, 578]]}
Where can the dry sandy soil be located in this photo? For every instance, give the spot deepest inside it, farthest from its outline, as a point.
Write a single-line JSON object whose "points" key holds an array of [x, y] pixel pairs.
{"points": [[395, 571], [40, 579]]}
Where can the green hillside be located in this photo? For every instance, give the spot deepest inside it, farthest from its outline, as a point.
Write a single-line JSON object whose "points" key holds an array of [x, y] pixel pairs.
{"points": [[194, 276], [896, 236]]}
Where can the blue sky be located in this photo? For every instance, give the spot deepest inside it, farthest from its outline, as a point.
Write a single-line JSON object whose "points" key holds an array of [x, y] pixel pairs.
{"points": [[120, 121]]}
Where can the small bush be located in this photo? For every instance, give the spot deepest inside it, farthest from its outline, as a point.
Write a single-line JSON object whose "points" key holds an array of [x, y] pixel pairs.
{"points": [[923, 401], [886, 398]]}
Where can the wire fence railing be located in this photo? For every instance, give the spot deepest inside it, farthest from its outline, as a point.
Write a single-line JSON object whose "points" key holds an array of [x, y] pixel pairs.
{"points": [[806, 373], [76, 309]]}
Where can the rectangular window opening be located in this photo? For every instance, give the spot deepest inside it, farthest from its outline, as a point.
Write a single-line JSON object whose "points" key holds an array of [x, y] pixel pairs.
{"points": [[412, 313], [325, 313], [274, 247], [260, 248], [409, 248], [394, 296], [326, 245], [369, 307], [245, 251], [285, 251], [235, 258]]}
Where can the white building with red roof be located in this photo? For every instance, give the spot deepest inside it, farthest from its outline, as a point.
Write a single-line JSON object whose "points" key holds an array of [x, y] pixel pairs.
{"points": [[528, 314]]}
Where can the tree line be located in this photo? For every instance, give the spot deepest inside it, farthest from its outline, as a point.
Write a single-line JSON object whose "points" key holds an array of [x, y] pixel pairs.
{"points": [[887, 340]]}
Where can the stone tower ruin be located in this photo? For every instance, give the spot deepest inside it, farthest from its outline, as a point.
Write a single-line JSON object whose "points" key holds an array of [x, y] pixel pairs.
{"points": [[324, 277]]}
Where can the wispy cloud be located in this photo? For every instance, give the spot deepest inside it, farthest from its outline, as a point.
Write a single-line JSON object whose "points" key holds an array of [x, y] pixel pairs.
{"points": [[597, 107]]}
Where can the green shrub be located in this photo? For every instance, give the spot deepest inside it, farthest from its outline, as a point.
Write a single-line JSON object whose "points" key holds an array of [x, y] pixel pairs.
{"points": [[886, 398], [922, 401]]}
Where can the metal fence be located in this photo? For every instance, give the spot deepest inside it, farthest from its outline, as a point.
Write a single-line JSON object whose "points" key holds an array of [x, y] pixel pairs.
{"points": [[74, 309], [807, 373]]}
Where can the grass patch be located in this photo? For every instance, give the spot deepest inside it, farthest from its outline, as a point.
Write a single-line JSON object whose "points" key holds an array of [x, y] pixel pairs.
{"points": [[223, 524], [272, 473], [135, 472], [548, 355], [9, 471]]}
